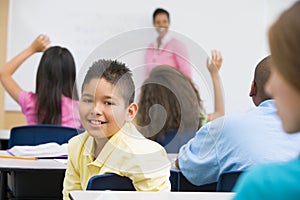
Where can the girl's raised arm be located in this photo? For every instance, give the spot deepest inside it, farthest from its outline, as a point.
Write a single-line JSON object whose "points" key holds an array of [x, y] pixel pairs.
{"points": [[40, 44]]}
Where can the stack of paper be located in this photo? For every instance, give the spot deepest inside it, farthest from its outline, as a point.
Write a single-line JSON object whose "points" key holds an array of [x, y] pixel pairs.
{"points": [[48, 150]]}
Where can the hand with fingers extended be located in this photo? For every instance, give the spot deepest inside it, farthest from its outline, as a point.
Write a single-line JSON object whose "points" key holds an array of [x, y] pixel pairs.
{"points": [[40, 44], [214, 65]]}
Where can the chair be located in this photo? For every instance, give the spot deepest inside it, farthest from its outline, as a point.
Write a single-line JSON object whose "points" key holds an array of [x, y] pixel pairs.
{"points": [[110, 182], [173, 140], [227, 181], [175, 180], [40, 134], [120, 183], [186, 186]]}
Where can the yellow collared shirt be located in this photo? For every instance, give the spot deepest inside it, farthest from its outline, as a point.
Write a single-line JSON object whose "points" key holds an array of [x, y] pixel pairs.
{"points": [[127, 153]]}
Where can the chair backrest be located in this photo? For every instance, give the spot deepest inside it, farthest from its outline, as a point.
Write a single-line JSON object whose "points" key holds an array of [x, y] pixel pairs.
{"points": [[110, 182], [187, 186], [175, 180], [40, 134], [227, 181], [121, 183], [173, 140]]}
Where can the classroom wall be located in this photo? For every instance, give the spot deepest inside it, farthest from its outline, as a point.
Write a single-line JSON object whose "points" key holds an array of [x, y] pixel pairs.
{"points": [[237, 28], [238, 31], [8, 119], [3, 25]]}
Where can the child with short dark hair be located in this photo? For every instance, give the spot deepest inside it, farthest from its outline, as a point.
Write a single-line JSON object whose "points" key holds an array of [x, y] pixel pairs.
{"points": [[111, 143]]}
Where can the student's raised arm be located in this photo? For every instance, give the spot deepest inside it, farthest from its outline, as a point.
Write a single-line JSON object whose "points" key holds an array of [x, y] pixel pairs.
{"points": [[40, 44], [214, 67]]}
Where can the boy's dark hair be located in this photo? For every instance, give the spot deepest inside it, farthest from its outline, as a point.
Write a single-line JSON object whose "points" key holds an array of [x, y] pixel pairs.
{"points": [[115, 73], [160, 11], [261, 76]]}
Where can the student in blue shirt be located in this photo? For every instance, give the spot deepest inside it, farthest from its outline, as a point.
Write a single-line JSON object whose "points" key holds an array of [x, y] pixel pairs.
{"points": [[239, 141], [282, 180]]}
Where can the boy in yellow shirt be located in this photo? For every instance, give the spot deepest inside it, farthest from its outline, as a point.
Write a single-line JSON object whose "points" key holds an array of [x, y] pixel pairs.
{"points": [[111, 143]]}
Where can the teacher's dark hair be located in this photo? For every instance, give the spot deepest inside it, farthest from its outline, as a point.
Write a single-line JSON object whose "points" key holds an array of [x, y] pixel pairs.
{"points": [[160, 11]]}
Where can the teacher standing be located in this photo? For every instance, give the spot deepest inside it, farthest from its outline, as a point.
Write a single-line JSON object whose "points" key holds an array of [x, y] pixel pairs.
{"points": [[166, 50]]}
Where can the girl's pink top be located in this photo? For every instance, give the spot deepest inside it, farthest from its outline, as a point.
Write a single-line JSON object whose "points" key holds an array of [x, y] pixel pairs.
{"points": [[70, 110]]}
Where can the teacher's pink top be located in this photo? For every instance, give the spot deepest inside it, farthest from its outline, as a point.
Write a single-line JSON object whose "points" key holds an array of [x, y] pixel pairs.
{"points": [[70, 110], [172, 52]]}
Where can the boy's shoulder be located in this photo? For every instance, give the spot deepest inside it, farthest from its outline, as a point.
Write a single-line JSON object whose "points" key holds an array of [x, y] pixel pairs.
{"points": [[134, 141], [79, 139]]}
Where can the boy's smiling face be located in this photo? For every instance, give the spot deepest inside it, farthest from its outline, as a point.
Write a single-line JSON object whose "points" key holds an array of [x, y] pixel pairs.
{"points": [[102, 109]]}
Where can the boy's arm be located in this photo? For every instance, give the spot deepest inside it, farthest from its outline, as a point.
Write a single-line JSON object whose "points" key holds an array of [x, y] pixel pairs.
{"points": [[214, 67], [151, 172], [72, 180], [6, 72], [197, 159]]}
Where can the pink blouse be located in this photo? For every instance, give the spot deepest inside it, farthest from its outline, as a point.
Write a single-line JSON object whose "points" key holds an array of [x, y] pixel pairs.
{"points": [[70, 110], [173, 53]]}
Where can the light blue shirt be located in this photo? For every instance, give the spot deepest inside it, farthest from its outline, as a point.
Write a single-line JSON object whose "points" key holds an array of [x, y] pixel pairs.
{"points": [[272, 181], [237, 142]]}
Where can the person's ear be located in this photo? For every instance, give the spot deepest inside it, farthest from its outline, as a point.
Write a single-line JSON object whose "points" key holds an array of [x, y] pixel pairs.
{"points": [[253, 90], [131, 111]]}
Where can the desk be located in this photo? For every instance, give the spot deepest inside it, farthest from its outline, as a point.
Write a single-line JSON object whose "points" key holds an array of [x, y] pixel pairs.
{"points": [[4, 134], [4, 137], [7, 163], [132, 195], [36, 171], [20, 169]]}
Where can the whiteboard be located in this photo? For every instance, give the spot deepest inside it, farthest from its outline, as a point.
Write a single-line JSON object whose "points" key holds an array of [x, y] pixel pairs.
{"points": [[235, 27]]}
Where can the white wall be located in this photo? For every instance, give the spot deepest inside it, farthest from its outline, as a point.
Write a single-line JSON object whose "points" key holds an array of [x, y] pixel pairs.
{"points": [[236, 27]]}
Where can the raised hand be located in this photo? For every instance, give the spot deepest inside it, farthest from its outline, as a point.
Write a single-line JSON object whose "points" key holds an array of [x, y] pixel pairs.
{"points": [[214, 66], [40, 44], [215, 63]]}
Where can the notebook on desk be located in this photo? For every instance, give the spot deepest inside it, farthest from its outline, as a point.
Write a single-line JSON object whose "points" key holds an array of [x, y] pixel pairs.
{"points": [[48, 150]]}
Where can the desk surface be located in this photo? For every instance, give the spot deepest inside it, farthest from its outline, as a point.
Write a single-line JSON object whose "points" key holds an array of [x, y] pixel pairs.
{"points": [[9, 163], [117, 195], [4, 134], [52, 166]]}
